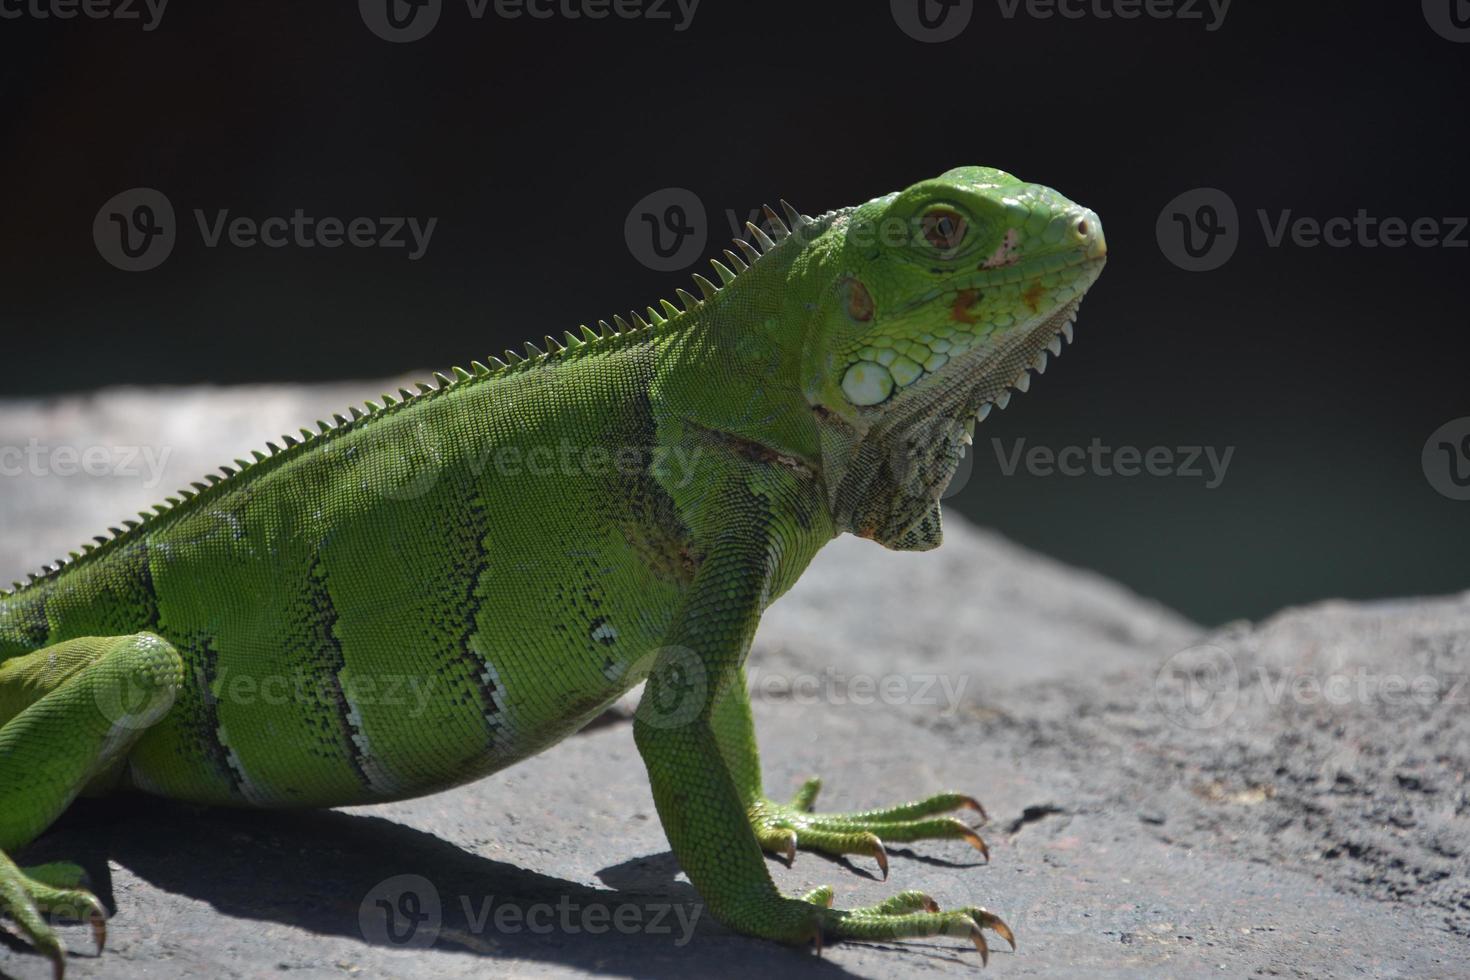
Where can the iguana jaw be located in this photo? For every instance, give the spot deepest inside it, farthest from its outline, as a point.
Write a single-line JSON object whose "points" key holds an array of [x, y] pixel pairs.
{"points": [[898, 458], [985, 374]]}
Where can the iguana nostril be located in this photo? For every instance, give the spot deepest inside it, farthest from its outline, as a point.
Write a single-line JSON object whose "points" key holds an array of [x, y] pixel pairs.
{"points": [[1082, 228]]}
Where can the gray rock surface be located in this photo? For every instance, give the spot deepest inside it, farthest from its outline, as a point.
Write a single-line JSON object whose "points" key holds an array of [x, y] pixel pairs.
{"points": [[1287, 798]]}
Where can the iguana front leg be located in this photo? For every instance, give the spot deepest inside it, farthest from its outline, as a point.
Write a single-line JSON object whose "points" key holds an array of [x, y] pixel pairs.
{"points": [[782, 828], [68, 713], [699, 793]]}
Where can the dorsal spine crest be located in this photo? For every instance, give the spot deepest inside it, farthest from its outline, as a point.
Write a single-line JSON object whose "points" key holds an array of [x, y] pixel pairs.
{"points": [[634, 326]]}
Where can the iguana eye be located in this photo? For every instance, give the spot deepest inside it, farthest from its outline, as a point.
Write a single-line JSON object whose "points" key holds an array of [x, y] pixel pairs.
{"points": [[944, 228]]}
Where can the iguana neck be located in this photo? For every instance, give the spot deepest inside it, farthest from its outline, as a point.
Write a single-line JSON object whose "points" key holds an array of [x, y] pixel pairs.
{"points": [[733, 364]]}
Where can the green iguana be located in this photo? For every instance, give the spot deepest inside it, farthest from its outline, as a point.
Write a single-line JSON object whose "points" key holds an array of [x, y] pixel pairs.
{"points": [[540, 534]]}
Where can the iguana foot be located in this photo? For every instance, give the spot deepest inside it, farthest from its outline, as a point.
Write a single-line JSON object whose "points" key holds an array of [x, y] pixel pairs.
{"points": [[782, 828], [32, 896], [907, 915]]}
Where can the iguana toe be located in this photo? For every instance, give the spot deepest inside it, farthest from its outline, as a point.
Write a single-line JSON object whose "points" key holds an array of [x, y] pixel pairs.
{"points": [[782, 828], [31, 896], [907, 915]]}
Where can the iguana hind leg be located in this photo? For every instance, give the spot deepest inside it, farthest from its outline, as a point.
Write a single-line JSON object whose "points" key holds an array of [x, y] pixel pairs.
{"points": [[68, 714], [783, 828]]}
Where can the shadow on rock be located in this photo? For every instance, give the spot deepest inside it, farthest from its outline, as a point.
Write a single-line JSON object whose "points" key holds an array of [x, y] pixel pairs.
{"points": [[389, 886]]}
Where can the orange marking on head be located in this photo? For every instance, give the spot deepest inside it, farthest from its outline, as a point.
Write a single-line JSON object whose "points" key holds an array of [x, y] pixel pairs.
{"points": [[961, 312], [1032, 296]]}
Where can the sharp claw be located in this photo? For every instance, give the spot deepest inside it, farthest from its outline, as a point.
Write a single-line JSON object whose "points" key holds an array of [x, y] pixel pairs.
{"points": [[970, 803], [992, 921], [930, 905], [880, 854], [790, 848], [817, 941], [99, 932], [977, 843], [58, 962], [980, 945], [98, 920]]}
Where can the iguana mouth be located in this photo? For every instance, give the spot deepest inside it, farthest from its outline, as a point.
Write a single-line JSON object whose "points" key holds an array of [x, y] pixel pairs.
{"points": [[911, 454], [981, 379], [958, 330]]}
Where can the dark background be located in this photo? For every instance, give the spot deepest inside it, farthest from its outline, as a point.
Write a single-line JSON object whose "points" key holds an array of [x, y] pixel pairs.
{"points": [[530, 140]]}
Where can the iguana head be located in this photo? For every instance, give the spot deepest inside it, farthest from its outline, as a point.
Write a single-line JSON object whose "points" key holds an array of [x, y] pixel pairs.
{"points": [[933, 303]]}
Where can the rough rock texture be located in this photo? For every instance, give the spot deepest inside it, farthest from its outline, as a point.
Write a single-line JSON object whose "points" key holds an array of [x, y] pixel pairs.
{"points": [[1281, 799]]}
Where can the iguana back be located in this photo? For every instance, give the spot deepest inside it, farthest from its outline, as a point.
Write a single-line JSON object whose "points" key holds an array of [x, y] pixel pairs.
{"points": [[372, 611]]}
